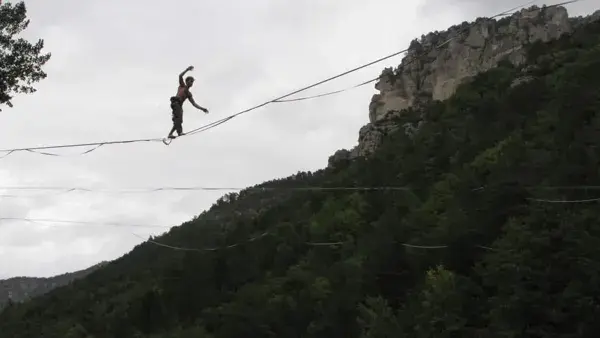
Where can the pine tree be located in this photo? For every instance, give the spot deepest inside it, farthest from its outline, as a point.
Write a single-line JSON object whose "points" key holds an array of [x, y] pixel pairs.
{"points": [[20, 61]]}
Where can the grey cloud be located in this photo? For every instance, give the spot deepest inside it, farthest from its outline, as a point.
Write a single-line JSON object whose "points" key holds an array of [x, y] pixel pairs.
{"points": [[13, 207]]}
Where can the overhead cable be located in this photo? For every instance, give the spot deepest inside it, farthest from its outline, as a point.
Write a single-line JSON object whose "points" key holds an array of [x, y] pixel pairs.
{"points": [[148, 190], [507, 12], [265, 234], [280, 99], [223, 120], [48, 220], [65, 189], [205, 127]]}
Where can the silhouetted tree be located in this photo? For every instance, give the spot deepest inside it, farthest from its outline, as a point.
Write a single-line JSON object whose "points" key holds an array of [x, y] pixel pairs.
{"points": [[20, 61]]}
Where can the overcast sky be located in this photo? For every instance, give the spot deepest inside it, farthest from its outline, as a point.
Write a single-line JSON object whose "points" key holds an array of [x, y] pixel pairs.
{"points": [[114, 66]]}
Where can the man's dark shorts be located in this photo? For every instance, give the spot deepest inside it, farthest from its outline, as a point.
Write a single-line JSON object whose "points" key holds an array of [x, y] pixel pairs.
{"points": [[177, 113]]}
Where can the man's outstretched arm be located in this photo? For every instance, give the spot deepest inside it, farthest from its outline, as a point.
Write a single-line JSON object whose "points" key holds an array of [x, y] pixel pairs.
{"points": [[196, 105], [181, 83]]}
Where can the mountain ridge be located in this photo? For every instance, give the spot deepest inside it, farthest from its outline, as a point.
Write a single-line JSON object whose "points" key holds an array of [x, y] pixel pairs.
{"points": [[22, 288], [467, 249]]}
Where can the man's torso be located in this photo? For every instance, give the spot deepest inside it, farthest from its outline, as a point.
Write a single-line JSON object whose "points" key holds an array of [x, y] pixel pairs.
{"points": [[183, 93]]}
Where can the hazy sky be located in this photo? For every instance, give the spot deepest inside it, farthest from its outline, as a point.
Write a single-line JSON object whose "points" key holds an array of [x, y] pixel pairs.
{"points": [[114, 66]]}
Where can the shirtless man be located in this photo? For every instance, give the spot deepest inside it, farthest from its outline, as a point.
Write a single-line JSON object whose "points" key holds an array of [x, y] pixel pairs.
{"points": [[183, 93]]}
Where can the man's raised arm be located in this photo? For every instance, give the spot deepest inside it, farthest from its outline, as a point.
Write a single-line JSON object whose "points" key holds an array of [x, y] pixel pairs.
{"points": [[181, 82]]}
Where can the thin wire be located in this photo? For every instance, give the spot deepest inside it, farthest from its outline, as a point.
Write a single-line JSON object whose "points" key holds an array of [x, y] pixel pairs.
{"points": [[279, 99], [63, 189], [62, 155], [330, 244], [266, 233], [329, 93], [262, 188], [205, 127], [32, 220], [200, 249], [564, 201], [334, 189], [218, 122], [324, 244], [424, 246], [148, 190], [7, 154], [507, 12], [74, 145], [46, 220]]}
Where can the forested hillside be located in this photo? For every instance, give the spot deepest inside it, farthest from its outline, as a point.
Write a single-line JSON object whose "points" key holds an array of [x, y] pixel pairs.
{"points": [[497, 233], [20, 289]]}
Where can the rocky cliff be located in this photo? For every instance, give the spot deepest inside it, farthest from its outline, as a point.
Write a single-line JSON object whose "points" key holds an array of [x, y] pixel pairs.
{"points": [[20, 289], [439, 62]]}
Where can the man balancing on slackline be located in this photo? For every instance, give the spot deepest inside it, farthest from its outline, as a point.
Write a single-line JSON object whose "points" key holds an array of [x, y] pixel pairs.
{"points": [[183, 93]]}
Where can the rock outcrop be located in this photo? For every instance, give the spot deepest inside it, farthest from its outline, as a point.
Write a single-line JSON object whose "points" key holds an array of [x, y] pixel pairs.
{"points": [[437, 64]]}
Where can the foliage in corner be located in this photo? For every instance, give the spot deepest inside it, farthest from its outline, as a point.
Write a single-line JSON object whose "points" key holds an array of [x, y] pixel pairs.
{"points": [[20, 60]]}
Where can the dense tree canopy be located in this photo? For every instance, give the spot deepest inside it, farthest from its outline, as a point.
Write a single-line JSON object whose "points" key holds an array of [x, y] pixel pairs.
{"points": [[20, 61], [474, 248]]}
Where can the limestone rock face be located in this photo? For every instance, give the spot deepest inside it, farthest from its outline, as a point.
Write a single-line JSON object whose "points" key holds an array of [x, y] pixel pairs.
{"points": [[469, 49], [439, 62]]}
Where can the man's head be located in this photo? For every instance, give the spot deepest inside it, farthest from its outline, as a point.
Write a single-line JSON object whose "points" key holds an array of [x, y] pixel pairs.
{"points": [[189, 81]]}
